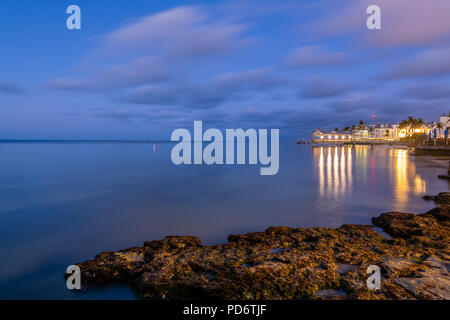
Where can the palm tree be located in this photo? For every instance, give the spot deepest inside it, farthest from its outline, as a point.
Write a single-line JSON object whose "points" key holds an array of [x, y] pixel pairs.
{"points": [[439, 126], [386, 133], [353, 127], [411, 124], [361, 125], [346, 128], [403, 124]]}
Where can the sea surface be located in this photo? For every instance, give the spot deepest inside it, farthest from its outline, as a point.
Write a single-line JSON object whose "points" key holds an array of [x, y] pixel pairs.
{"points": [[62, 203]]}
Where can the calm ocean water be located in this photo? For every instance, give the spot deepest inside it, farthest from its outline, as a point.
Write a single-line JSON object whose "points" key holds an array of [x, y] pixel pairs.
{"points": [[62, 203]]}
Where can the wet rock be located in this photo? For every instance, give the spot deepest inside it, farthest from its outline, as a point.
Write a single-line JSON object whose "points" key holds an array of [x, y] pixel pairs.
{"points": [[291, 263], [430, 229], [329, 294], [427, 285], [394, 267], [442, 198], [174, 242]]}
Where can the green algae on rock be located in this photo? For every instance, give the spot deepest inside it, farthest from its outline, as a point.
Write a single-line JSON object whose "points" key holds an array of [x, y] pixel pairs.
{"points": [[289, 263]]}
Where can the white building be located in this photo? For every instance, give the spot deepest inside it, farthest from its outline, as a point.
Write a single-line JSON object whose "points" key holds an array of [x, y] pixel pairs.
{"points": [[319, 136], [445, 122], [383, 131]]}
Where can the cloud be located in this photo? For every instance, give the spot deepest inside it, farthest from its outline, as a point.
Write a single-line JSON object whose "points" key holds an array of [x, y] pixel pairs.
{"points": [[315, 56], [9, 88], [255, 117], [143, 70], [182, 31], [362, 106], [163, 43], [404, 22], [121, 115], [258, 79], [205, 95], [152, 94], [189, 96], [427, 91], [427, 64], [413, 22], [317, 88]]}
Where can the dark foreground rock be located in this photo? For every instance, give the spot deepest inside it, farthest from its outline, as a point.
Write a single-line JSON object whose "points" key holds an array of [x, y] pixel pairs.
{"points": [[287, 263], [441, 198]]}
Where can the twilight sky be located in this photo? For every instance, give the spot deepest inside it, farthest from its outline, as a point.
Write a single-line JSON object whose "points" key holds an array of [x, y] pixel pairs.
{"points": [[140, 69]]}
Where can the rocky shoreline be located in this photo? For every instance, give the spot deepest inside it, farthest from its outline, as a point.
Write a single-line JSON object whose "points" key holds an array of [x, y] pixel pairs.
{"points": [[289, 263]]}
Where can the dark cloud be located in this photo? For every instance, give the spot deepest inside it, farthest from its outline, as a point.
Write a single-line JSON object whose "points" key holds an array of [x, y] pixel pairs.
{"points": [[167, 40], [204, 97], [180, 50], [258, 79], [386, 109], [315, 56], [120, 114], [323, 88], [427, 91], [428, 64], [9, 88], [152, 95], [192, 97], [222, 88], [138, 71], [291, 122]]}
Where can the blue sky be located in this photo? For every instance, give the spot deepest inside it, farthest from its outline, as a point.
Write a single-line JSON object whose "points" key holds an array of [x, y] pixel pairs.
{"points": [[138, 70]]}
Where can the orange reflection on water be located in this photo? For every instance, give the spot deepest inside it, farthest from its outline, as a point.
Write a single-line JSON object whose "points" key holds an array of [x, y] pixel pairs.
{"points": [[329, 182], [321, 173], [401, 167], [336, 181], [343, 172], [334, 173], [406, 179], [341, 168]]}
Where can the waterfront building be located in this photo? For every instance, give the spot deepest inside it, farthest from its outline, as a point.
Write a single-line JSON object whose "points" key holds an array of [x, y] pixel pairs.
{"points": [[386, 132], [320, 136], [383, 132], [444, 121], [374, 132]]}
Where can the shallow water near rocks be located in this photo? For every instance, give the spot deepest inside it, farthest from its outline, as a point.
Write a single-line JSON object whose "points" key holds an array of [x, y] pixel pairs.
{"points": [[330, 293], [64, 203]]}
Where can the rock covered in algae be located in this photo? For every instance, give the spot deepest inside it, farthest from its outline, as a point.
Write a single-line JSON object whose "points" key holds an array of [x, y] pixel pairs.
{"points": [[289, 263]]}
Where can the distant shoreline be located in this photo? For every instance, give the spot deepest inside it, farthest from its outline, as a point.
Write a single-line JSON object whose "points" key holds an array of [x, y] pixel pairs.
{"points": [[80, 141]]}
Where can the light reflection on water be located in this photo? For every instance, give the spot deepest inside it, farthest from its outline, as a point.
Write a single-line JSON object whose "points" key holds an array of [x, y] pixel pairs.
{"points": [[335, 167], [64, 203]]}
